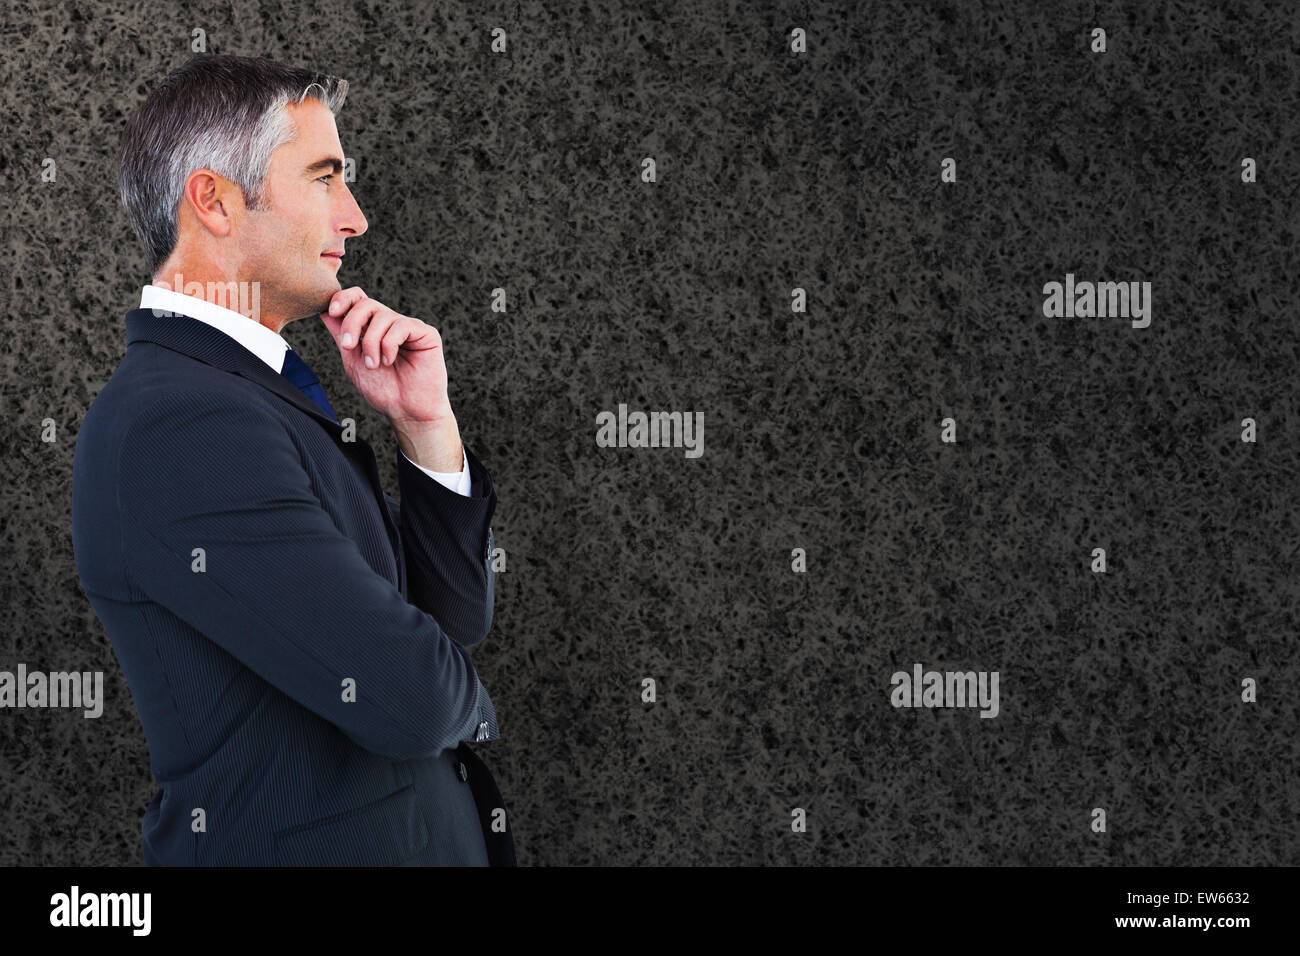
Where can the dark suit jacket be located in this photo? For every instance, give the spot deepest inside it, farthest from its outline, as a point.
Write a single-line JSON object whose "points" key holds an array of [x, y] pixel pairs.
{"points": [[303, 680]]}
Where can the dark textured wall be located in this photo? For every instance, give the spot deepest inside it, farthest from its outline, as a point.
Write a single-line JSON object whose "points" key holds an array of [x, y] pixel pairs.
{"points": [[776, 170]]}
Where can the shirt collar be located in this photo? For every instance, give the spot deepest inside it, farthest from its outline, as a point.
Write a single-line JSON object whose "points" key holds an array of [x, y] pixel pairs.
{"points": [[269, 346]]}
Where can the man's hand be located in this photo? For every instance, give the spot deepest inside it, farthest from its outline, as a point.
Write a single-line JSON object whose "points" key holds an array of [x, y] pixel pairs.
{"points": [[408, 381]]}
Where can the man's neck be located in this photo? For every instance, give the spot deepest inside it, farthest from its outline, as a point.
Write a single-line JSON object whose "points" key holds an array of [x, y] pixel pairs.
{"points": [[240, 296]]}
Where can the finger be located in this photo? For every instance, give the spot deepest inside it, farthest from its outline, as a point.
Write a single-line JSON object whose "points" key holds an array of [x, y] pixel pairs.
{"points": [[379, 324], [354, 323], [343, 300], [421, 336], [397, 333]]}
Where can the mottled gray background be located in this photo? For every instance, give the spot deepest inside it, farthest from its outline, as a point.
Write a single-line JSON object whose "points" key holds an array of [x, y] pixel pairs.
{"points": [[819, 171]]}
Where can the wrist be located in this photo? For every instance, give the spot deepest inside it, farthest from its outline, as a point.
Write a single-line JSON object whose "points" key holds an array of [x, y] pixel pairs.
{"points": [[433, 445]]}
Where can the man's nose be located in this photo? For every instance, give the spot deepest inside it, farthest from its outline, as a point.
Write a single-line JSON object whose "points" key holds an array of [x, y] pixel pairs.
{"points": [[354, 220]]}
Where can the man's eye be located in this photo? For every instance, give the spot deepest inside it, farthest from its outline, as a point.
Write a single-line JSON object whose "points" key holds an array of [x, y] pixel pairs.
{"points": [[324, 178]]}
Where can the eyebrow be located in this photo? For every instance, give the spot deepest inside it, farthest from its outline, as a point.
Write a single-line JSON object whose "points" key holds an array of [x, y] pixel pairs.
{"points": [[329, 162]]}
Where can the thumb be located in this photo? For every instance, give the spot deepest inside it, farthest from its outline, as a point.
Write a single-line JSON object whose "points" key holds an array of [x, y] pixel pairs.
{"points": [[333, 325]]}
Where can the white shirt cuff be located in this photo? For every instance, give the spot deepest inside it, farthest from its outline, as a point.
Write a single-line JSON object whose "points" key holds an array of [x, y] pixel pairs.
{"points": [[457, 481]]}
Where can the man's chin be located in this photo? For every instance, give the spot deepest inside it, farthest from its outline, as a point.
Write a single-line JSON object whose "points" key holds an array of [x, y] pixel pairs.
{"points": [[322, 300]]}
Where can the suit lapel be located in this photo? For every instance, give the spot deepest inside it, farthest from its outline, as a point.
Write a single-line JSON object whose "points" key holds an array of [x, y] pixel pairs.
{"points": [[200, 341]]}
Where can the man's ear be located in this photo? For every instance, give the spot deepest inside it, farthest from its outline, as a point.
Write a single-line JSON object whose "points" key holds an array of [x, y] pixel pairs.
{"points": [[214, 200]]}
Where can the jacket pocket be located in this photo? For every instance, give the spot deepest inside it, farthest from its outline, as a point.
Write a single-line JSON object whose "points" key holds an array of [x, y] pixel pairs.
{"points": [[383, 833]]}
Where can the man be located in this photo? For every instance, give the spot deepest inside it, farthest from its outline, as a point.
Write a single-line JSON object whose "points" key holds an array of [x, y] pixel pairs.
{"points": [[296, 642]]}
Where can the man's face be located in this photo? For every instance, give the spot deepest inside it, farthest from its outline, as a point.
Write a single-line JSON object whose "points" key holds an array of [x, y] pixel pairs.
{"points": [[307, 213]]}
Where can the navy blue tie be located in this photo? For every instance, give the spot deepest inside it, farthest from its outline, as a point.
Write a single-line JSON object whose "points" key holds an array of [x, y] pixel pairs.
{"points": [[304, 379]]}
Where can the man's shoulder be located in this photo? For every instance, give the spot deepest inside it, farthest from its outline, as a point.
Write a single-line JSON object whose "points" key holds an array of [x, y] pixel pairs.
{"points": [[152, 381], [167, 402]]}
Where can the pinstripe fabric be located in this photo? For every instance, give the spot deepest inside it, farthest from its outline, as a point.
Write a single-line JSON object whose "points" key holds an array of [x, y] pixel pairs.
{"points": [[249, 570]]}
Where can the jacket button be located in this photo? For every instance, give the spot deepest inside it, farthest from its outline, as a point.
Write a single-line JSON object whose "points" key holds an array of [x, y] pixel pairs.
{"points": [[461, 771]]}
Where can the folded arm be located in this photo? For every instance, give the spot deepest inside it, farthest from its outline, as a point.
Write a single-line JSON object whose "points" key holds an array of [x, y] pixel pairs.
{"points": [[280, 587], [447, 539]]}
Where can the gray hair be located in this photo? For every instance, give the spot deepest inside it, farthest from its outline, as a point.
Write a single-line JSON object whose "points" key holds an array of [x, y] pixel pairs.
{"points": [[219, 112]]}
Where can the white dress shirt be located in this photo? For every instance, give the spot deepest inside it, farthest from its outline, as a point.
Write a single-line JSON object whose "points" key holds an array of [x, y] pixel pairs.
{"points": [[270, 348]]}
